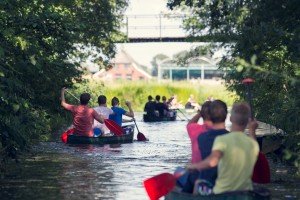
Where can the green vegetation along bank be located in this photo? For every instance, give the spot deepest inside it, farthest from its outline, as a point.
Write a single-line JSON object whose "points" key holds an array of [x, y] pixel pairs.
{"points": [[138, 91]]}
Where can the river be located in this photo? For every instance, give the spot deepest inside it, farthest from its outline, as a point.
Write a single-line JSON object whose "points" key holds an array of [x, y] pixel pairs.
{"points": [[53, 170]]}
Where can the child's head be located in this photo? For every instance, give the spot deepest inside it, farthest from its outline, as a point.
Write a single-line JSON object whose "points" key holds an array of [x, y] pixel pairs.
{"points": [[218, 111], [85, 98], [205, 110], [240, 114], [115, 101], [164, 98], [101, 100], [157, 98], [150, 98]]}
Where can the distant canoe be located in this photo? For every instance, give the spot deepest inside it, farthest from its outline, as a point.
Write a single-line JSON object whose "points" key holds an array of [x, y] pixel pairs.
{"points": [[269, 137], [259, 194], [152, 118], [127, 137]]}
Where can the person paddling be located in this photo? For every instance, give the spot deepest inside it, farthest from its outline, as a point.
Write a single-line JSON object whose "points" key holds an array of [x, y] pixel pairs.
{"points": [[217, 112], [103, 110], [83, 116], [119, 112], [195, 129], [235, 153], [150, 106], [160, 107]]}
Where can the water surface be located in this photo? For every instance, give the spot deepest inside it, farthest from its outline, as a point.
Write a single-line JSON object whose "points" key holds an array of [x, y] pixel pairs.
{"points": [[58, 171]]}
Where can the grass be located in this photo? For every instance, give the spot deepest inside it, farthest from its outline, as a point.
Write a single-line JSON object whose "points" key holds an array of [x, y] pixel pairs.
{"points": [[138, 91]]}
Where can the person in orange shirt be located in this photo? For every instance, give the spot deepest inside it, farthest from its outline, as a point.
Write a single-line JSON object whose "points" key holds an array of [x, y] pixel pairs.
{"points": [[83, 116]]}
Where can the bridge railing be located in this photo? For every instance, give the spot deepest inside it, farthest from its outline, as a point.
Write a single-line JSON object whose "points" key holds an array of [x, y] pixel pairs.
{"points": [[154, 28]]}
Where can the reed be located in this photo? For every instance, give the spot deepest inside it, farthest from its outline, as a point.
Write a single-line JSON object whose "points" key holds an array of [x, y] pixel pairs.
{"points": [[138, 91]]}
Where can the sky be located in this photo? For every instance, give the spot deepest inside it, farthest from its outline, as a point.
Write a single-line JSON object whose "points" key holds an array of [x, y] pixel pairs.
{"points": [[144, 52]]}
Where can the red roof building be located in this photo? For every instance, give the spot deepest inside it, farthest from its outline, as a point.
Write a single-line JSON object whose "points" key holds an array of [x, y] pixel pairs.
{"points": [[124, 68]]}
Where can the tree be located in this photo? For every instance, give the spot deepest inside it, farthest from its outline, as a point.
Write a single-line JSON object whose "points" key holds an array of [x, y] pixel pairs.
{"points": [[155, 60], [37, 38], [264, 42]]}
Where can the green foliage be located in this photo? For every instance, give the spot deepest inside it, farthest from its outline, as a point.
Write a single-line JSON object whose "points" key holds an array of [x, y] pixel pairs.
{"points": [[182, 58], [264, 42], [36, 39], [155, 60], [138, 91]]}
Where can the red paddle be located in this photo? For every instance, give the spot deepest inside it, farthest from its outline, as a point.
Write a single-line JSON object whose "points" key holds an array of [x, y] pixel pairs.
{"points": [[261, 172], [114, 127], [140, 136], [159, 185], [64, 136]]}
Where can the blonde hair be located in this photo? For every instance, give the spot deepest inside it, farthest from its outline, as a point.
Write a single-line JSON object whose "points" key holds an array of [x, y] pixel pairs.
{"points": [[240, 114]]}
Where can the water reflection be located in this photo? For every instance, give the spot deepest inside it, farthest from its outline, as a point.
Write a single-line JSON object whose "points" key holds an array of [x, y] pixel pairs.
{"points": [[114, 172]]}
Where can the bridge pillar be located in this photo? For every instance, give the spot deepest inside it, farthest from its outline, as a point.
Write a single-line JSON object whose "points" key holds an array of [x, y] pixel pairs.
{"points": [[159, 72], [202, 72]]}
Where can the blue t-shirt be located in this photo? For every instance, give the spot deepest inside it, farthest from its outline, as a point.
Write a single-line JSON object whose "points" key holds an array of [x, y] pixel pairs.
{"points": [[117, 116], [206, 141]]}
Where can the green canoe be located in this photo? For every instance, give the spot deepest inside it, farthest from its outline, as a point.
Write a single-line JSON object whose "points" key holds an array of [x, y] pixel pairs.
{"points": [[127, 137], [153, 118]]}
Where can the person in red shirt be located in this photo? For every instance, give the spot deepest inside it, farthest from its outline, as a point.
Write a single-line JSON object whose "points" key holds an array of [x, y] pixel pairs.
{"points": [[195, 129], [83, 116]]}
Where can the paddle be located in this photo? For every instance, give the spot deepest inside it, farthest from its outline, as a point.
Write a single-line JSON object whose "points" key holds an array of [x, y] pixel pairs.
{"points": [[114, 127], [261, 171], [160, 185], [140, 136], [181, 118], [183, 114], [64, 136]]}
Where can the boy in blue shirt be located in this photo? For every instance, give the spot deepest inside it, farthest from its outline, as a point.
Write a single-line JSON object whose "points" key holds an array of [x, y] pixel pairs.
{"points": [[119, 112]]}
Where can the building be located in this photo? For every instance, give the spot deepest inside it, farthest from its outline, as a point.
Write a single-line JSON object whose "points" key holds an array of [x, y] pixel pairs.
{"points": [[201, 67], [124, 68]]}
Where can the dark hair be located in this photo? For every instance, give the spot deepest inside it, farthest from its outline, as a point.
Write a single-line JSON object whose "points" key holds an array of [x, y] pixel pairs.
{"points": [[84, 98], [164, 98], [240, 114], [218, 111], [101, 99], [114, 101], [157, 97], [205, 110], [150, 98]]}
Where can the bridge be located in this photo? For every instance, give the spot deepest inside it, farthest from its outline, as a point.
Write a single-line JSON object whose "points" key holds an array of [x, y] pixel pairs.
{"points": [[157, 28]]}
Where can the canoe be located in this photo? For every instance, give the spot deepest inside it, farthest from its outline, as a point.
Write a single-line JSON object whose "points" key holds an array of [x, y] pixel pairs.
{"points": [[127, 137], [148, 118], [153, 118], [257, 194], [269, 137]]}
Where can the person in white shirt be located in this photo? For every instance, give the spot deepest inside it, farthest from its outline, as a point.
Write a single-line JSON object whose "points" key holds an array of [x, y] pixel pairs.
{"points": [[105, 112]]}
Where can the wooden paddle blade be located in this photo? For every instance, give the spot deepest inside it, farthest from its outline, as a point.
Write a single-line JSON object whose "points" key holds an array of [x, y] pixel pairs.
{"points": [[114, 127], [141, 137], [159, 185], [64, 136], [261, 171]]}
